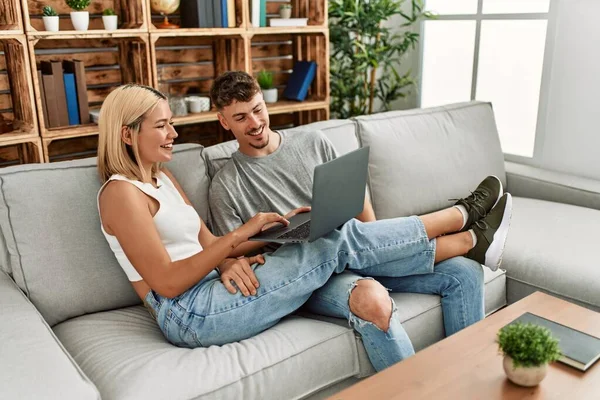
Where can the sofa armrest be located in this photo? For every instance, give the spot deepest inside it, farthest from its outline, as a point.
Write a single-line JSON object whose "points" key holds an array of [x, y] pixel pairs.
{"points": [[34, 364], [538, 183]]}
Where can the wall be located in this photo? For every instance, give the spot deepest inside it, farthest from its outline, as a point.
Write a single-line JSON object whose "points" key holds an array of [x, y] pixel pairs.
{"points": [[569, 128]]}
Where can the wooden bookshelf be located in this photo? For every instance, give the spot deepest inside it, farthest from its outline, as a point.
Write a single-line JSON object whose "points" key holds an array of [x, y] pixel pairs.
{"points": [[179, 62]]}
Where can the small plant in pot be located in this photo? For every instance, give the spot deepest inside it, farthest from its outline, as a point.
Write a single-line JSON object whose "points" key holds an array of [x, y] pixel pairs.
{"points": [[109, 19], [265, 81], [79, 17], [50, 18], [527, 350], [285, 11]]}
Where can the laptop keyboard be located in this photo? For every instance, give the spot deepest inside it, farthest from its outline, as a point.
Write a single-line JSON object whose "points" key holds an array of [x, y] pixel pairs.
{"points": [[299, 232]]}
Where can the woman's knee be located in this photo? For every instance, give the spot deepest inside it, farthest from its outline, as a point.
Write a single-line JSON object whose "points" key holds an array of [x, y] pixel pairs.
{"points": [[370, 301]]}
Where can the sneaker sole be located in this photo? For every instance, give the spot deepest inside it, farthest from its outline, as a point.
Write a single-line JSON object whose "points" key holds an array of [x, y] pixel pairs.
{"points": [[493, 256], [501, 191]]}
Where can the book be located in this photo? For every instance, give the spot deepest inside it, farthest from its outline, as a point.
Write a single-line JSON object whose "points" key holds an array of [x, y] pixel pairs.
{"points": [[71, 95], [77, 67], [255, 14], [579, 350], [224, 14], [231, 13], [300, 80], [263, 13], [48, 82], [288, 21], [196, 14], [217, 14], [43, 96], [55, 69]]}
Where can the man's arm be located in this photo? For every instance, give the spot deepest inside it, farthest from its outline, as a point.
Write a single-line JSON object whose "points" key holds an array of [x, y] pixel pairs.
{"points": [[367, 214]]}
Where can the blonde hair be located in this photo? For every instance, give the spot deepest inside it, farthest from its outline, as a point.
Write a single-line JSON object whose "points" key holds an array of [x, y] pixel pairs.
{"points": [[126, 106]]}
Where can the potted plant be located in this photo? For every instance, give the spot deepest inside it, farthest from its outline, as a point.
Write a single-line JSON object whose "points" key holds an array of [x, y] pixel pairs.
{"points": [[527, 350], [265, 81], [109, 19], [285, 11], [79, 17], [50, 18]]}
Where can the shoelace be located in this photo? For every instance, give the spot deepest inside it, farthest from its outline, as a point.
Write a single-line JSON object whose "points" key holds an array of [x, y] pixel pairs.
{"points": [[481, 224], [473, 200]]}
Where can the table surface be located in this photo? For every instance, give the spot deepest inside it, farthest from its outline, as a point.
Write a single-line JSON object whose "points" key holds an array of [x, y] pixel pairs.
{"points": [[467, 365]]}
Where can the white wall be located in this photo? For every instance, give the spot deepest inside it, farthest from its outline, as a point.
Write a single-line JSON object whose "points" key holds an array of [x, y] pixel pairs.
{"points": [[568, 137]]}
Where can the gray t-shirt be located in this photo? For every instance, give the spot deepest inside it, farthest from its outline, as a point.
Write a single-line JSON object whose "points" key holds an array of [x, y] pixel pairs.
{"points": [[279, 182]]}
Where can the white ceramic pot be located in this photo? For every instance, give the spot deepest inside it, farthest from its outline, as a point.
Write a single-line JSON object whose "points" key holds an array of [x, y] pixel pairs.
{"points": [[80, 20], [285, 13], [524, 376], [198, 104], [110, 22], [51, 23], [270, 95]]}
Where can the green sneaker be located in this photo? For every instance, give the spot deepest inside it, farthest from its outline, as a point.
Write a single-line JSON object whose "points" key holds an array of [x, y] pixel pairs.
{"points": [[481, 201], [491, 233]]}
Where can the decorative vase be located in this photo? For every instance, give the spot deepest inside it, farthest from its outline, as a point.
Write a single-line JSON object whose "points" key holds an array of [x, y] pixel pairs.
{"points": [[285, 13], [524, 376], [110, 22], [80, 20], [270, 95], [51, 23]]}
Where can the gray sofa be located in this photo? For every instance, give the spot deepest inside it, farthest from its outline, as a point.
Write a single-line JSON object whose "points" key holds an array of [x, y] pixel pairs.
{"points": [[72, 328]]}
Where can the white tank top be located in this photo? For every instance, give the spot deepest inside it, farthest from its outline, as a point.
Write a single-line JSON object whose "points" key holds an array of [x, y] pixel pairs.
{"points": [[178, 224]]}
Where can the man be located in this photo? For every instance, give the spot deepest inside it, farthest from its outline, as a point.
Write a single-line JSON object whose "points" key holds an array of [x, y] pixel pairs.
{"points": [[272, 172]]}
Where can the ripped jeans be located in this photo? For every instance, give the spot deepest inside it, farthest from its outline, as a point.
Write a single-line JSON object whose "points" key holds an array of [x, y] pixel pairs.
{"points": [[207, 314], [459, 282]]}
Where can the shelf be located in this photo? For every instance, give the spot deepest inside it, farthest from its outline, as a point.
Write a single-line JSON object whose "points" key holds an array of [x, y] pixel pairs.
{"points": [[288, 30], [131, 15], [10, 17], [90, 34], [155, 18], [21, 151], [158, 33], [71, 131], [17, 107]]}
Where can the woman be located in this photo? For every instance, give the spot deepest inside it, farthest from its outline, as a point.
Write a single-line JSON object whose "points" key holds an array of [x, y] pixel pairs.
{"points": [[173, 261]]}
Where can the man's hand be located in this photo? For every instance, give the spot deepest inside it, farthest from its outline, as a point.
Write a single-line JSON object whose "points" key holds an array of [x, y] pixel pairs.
{"points": [[238, 270], [288, 216]]}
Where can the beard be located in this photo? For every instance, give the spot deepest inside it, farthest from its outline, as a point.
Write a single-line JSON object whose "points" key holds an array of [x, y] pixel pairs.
{"points": [[260, 145]]}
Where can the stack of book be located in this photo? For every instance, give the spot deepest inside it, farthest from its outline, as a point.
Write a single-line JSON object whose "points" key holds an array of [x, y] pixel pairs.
{"points": [[64, 93], [207, 14]]}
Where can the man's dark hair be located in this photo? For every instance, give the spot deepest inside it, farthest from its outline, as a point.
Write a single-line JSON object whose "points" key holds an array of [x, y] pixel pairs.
{"points": [[233, 86]]}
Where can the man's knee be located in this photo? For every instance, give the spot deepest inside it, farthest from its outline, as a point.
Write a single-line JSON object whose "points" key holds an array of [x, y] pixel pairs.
{"points": [[370, 301]]}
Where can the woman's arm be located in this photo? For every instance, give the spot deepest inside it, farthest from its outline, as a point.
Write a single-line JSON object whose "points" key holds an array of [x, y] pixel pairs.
{"points": [[126, 214]]}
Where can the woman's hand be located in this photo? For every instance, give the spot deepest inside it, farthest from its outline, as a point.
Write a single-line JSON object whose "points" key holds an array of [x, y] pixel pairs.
{"points": [[257, 223], [238, 270]]}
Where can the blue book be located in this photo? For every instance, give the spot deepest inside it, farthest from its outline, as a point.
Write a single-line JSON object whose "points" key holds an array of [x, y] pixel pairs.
{"points": [[71, 95], [224, 16], [300, 80], [263, 13]]}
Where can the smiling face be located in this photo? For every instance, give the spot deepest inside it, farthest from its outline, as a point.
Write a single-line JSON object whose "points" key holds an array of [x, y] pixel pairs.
{"points": [[156, 135], [249, 123]]}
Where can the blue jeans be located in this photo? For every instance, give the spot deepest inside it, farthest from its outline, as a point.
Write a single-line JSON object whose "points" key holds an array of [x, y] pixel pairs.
{"points": [[459, 282], [207, 314]]}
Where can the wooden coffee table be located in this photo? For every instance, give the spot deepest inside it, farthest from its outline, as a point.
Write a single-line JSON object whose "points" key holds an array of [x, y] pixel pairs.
{"points": [[467, 365]]}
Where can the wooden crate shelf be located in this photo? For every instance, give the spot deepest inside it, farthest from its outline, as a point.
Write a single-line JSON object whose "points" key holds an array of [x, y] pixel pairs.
{"points": [[278, 53], [17, 109], [155, 19], [314, 10], [131, 15], [91, 34], [69, 148], [21, 151], [10, 17], [186, 65], [109, 62]]}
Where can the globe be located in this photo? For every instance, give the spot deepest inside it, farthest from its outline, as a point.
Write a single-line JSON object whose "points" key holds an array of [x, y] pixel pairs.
{"points": [[165, 7]]}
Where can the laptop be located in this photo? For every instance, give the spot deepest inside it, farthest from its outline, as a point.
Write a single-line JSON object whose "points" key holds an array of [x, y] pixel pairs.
{"points": [[338, 194]]}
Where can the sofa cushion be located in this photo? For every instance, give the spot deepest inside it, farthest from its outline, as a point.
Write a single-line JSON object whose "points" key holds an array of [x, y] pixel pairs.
{"points": [[27, 341], [552, 248], [421, 158], [126, 355], [421, 315], [50, 224], [341, 133]]}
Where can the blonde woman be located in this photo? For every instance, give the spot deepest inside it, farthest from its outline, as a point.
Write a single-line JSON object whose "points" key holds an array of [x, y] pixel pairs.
{"points": [[201, 289]]}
